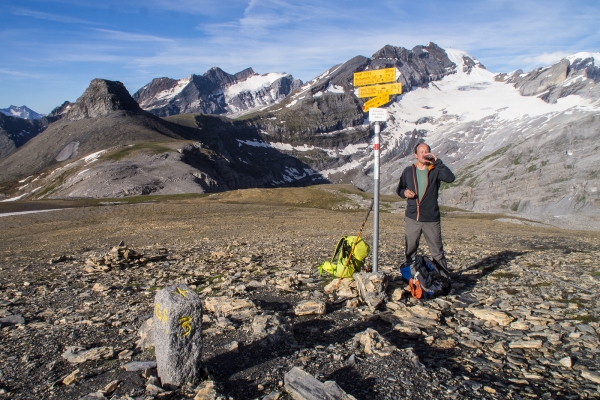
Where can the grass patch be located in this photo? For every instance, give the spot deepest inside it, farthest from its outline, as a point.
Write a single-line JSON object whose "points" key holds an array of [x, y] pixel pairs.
{"points": [[585, 318], [511, 291], [188, 120], [505, 275], [543, 284], [149, 353], [596, 273], [515, 206], [47, 190], [595, 174], [326, 197], [532, 168]]}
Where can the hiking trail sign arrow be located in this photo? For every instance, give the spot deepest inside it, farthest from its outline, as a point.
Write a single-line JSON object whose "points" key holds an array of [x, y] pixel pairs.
{"points": [[377, 90], [376, 102], [374, 76]]}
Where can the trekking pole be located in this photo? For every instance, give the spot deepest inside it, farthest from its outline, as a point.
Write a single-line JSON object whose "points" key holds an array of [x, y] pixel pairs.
{"points": [[354, 244]]}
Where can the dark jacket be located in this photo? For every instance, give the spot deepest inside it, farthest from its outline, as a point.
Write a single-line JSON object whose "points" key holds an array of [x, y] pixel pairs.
{"points": [[426, 210]]}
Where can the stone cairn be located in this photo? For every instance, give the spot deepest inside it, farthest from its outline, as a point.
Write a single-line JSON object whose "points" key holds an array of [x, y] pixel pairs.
{"points": [[120, 257], [178, 335]]}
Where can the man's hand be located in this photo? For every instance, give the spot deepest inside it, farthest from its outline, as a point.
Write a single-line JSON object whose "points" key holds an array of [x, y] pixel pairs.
{"points": [[431, 157], [409, 194]]}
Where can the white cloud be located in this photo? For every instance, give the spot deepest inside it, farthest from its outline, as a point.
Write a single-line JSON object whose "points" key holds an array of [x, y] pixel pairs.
{"points": [[23, 12], [546, 58], [18, 74], [133, 37]]}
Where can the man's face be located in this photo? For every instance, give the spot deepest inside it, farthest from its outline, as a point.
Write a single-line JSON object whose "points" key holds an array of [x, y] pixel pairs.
{"points": [[420, 154]]}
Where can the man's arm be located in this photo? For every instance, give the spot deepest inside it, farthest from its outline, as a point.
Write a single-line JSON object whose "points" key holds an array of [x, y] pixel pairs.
{"points": [[401, 186], [444, 173]]}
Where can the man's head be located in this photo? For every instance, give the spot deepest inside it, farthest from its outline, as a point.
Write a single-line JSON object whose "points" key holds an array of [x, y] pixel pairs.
{"points": [[421, 150], [425, 145]]}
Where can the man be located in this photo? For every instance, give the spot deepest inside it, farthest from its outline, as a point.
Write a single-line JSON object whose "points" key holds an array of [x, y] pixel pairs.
{"points": [[420, 184]]}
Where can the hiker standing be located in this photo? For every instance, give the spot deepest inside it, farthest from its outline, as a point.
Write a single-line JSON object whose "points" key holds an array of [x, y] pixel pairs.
{"points": [[420, 184]]}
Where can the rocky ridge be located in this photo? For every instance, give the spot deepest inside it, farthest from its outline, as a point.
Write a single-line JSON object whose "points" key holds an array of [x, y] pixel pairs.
{"points": [[215, 92], [494, 336], [100, 99], [574, 75]]}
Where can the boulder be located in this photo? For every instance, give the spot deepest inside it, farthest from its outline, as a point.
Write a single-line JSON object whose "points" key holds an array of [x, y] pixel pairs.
{"points": [[273, 328], [501, 318], [146, 334], [178, 335], [371, 288], [303, 386], [226, 305], [77, 355], [373, 343], [310, 307]]}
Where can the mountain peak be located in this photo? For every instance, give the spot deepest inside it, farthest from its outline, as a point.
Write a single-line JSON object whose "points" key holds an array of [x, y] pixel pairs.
{"points": [[101, 98], [20, 112]]}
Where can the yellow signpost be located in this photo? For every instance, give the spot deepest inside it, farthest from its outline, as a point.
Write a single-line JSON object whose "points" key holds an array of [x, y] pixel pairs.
{"points": [[377, 90], [376, 102], [374, 76], [368, 86]]}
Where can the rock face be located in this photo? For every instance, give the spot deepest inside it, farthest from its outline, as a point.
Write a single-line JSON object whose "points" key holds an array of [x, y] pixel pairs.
{"points": [[15, 132], [178, 335], [215, 92], [101, 98], [60, 111], [577, 74]]}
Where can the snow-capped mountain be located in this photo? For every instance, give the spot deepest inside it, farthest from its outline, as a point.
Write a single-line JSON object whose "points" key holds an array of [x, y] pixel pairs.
{"points": [[523, 142], [215, 92], [20, 112], [512, 148]]}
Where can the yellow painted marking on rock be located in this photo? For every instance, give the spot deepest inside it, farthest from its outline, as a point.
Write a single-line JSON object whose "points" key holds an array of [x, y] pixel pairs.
{"points": [[376, 102], [378, 90], [374, 76], [184, 322], [162, 315], [180, 291]]}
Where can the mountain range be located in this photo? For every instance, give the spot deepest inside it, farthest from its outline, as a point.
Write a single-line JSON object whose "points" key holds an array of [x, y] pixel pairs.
{"points": [[523, 143]]}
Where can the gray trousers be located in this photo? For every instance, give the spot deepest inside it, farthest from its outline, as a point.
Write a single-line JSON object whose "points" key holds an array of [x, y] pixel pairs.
{"points": [[433, 235]]}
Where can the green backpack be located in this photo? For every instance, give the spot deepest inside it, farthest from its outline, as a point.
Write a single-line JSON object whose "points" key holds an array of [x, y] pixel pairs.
{"points": [[342, 250]]}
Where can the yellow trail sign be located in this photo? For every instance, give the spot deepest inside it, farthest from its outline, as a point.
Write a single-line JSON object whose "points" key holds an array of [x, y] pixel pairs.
{"points": [[378, 90], [374, 76], [376, 102]]}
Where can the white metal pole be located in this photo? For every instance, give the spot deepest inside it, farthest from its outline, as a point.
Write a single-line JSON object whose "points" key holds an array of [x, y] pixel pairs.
{"points": [[376, 198]]}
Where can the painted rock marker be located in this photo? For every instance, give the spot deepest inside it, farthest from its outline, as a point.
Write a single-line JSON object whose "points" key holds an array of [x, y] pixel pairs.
{"points": [[178, 335]]}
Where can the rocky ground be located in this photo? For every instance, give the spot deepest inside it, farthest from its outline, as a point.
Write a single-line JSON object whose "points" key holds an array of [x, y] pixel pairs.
{"points": [[521, 320]]}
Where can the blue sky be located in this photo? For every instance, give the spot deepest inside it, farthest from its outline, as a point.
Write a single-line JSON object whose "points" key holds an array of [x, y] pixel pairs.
{"points": [[52, 49]]}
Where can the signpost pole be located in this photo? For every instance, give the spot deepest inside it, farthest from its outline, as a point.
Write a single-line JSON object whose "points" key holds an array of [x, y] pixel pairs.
{"points": [[376, 198], [369, 85]]}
